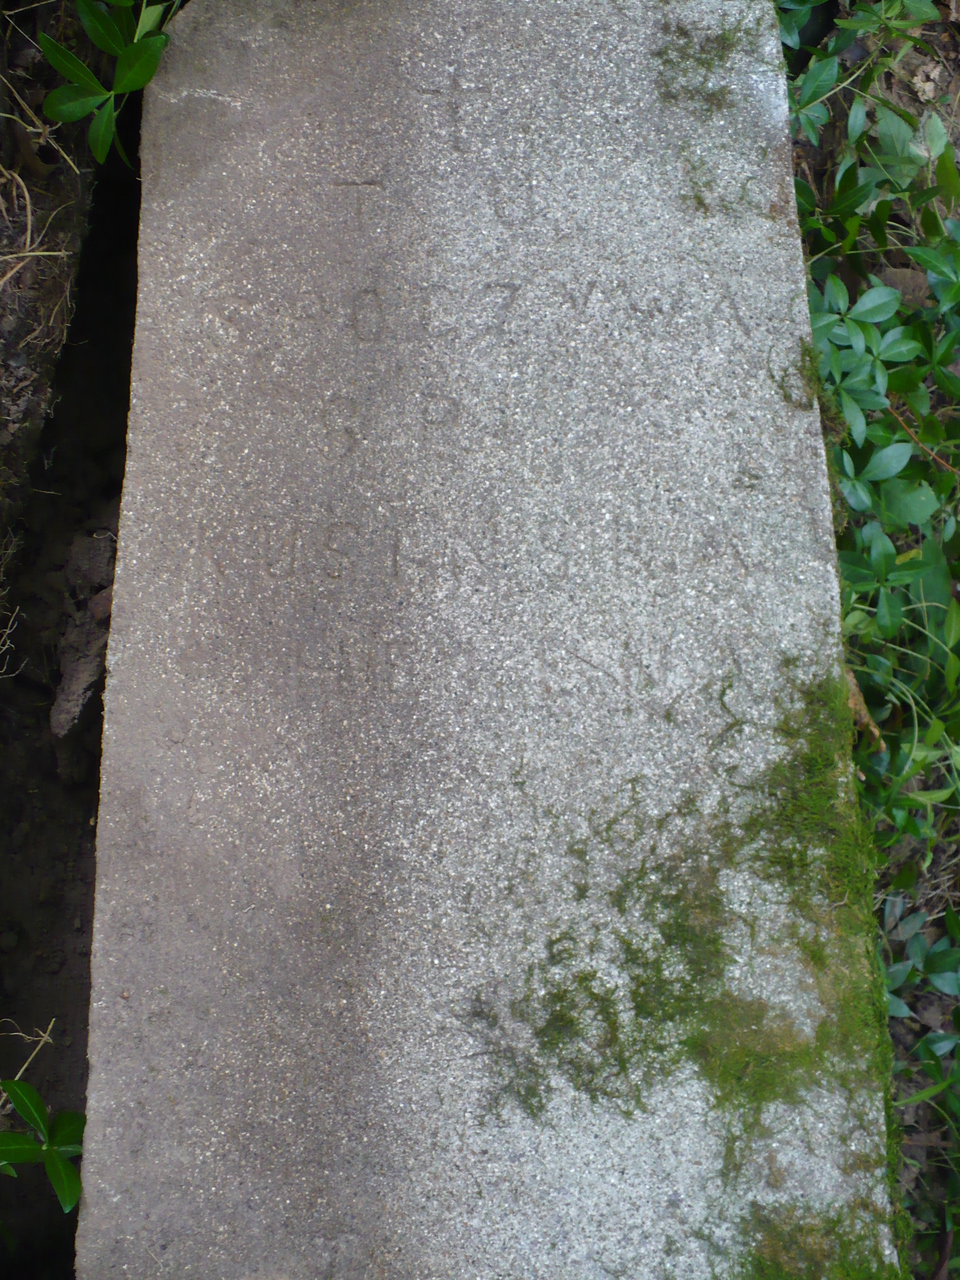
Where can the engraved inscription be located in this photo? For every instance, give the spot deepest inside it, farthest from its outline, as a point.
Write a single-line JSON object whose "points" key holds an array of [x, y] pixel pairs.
{"points": [[365, 193], [455, 99], [341, 427], [497, 299]]}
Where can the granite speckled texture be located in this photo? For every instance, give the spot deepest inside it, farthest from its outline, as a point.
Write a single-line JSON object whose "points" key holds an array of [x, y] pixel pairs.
{"points": [[474, 511]]}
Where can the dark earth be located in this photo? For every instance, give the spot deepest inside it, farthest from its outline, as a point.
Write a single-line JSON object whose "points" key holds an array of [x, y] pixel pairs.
{"points": [[67, 488]]}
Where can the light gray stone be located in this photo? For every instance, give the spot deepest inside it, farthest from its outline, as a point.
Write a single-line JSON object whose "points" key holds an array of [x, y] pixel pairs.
{"points": [[476, 534]]}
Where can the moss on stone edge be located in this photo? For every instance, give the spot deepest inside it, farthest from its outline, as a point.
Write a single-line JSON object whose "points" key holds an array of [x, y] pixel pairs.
{"points": [[634, 979], [693, 67], [792, 1244]]}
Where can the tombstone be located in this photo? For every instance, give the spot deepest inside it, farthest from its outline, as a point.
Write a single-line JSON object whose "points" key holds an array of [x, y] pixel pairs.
{"points": [[480, 889]]}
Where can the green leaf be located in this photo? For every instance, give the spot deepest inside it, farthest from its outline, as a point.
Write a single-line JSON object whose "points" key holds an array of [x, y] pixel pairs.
{"points": [[100, 27], [20, 1148], [843, 205], [878, 222], [127, 24], [64, 1179], [886, 463], [939, 264], [806, 200], [835, 296], [922, 10], [952, 922], [876, 304], [948, 178], [951, 626], [910, 926], [812, 121], [856, 121], [28, 1104], [894, 346], [951, 670], [945, 982], [70, 102], [893, 134], [935, 136], [818, 81], [896, 1008], [858, 495], [102, 129], [66, 1132], [897, 974], [924, 1094], [7, 1170], [946, 960], [138, 63], [883, 555], [152, 16], [63, 60], [889, 614], [854, 416]]}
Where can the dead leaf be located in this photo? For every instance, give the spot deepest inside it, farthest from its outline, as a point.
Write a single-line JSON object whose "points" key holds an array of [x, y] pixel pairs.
{"points": [[861, 715]]}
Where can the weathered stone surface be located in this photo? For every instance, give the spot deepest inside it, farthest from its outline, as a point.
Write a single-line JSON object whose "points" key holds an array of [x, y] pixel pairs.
{"points": [[475, 545]]}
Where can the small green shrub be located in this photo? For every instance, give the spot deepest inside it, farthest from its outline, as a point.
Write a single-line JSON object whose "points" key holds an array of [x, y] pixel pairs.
{"points": [[131, 34]]}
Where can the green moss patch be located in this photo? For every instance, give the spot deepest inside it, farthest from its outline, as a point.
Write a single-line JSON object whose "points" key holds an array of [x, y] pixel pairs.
{"points": [[633, 981], [792, 1244], [693, 67]]}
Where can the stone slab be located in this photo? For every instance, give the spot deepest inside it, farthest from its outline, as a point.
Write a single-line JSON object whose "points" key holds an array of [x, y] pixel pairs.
{"points": [[476, 541]]}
